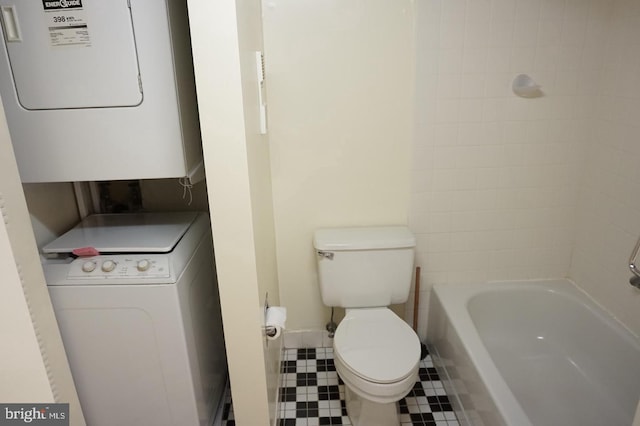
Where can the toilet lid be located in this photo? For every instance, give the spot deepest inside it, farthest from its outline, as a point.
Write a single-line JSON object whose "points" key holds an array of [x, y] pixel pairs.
{"points": [[377, 345]]}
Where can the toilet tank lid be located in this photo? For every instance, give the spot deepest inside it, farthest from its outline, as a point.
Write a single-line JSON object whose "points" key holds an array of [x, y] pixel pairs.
{"points": [[363, 238]]}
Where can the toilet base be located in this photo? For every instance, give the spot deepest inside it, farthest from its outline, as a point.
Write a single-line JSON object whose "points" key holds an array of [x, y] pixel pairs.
{"points": [[363, 412]]}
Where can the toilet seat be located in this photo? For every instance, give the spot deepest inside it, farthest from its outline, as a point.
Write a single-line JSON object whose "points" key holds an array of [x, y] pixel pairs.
{"points": [[377, 346]]}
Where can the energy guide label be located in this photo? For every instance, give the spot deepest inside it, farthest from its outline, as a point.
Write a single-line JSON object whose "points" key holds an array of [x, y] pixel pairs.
{"points": [[67, 27]]}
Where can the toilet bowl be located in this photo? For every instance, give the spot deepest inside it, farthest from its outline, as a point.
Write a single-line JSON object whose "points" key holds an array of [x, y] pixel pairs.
{"points": [[364, 270], [377, 356]]}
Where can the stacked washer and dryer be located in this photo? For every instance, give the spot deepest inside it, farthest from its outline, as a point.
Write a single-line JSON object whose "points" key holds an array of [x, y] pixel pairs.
{"points": [[141, 320], [99, 90]]}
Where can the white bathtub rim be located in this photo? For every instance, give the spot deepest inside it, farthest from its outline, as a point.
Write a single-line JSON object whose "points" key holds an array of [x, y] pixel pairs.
{"points": [[568, 283], [459, 317], [600, 310]]}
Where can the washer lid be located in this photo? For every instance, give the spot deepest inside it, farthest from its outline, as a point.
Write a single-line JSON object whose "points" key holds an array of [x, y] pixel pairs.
{"points": [[377, 345], [125, 233]]}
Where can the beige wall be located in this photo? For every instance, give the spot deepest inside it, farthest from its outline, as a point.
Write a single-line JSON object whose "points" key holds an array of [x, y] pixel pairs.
{"points": [[34, 365], [24, 377], [495, 176], [340, 88], [169, 195], [52, 207], [608, 220], [224, 36], [259, 167]]}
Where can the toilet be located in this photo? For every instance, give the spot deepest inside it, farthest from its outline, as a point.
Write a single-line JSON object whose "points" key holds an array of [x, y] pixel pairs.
{"points": [[376, 353]]}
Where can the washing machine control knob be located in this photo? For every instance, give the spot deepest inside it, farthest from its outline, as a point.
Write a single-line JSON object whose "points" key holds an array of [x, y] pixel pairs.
{"points": [[108, 265], [89, 266], [143, 265]]}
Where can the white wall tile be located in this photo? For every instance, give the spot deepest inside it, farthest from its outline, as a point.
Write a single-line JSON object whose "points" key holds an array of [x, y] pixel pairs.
{"points": [[449, 60], [501, 33], [447, 110], [608, 225], [474, 59], [478, 10], [449, 86], [445, 134], [576, 10], [470, 110], [497, 179], [528, 10], [522, 59], [503, 9], [506, 173], [472, 85], [525, 33], [552, 9], [476, 35]]}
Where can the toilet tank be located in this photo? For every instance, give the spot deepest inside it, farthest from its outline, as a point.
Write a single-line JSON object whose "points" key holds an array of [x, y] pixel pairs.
{"points": [[364, 266]]}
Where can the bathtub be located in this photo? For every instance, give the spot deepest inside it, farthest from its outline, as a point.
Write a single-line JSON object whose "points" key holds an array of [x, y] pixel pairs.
{"points": [[532, 353]]}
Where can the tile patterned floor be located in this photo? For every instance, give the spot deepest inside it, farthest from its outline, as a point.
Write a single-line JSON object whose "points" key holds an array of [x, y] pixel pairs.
{"points": [[312, 394]]}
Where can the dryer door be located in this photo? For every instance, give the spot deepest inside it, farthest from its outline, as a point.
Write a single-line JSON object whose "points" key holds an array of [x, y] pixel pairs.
{"points": [[71, 53]]}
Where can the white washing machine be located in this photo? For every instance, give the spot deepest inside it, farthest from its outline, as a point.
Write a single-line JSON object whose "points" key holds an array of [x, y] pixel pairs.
{"points": [[141, 321]]}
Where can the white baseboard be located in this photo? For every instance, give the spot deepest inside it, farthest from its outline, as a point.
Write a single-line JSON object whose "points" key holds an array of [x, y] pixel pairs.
{"points": [[306, 339]]}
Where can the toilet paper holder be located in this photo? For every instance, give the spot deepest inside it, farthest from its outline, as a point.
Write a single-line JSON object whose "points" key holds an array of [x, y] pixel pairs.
{"points": [[270, 330], [274, 322]]}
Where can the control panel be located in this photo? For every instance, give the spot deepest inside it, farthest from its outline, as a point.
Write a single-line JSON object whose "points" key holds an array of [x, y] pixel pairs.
{"points": [[120, 266]]}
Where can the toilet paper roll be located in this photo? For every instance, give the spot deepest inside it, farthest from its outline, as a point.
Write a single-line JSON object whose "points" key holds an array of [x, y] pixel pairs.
{"points": [[275, 318]]}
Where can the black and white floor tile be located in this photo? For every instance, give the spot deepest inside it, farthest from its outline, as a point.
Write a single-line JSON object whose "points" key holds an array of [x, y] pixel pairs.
{"points": [[312, 394]]}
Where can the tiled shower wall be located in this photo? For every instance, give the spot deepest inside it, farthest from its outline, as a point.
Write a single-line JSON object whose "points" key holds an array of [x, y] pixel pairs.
{"points": [[496, 177], [609, 204]]}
